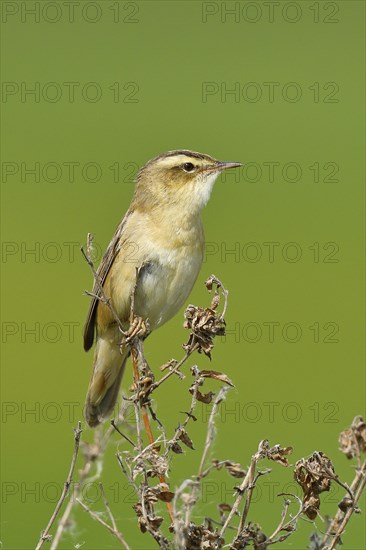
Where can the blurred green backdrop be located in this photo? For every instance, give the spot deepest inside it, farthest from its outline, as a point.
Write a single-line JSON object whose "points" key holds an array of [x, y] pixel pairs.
{"points": [[278, 86]]}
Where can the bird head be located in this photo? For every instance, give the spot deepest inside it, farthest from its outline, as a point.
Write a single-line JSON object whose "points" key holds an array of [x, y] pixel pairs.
{"points": [[182, 177]]}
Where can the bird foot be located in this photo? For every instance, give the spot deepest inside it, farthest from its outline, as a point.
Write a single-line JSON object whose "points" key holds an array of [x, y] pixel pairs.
{"points": [[139, 328]]}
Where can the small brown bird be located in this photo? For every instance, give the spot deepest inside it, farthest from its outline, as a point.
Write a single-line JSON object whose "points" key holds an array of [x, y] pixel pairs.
{"points": [[162, 231]]}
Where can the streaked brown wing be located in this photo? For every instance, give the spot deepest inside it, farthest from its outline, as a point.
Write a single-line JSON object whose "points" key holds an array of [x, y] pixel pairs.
{"points": [[103, 270]]}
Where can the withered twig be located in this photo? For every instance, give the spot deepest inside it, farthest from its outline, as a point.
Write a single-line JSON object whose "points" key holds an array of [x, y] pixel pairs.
{"points": [[146, 421], [247, 481], [126, 473], [101, 296], [63, 522], [92, 456], [156, 533], [275, 453], [224, 291], [189, 415], [122, 434], [340, 523], [283, 525], [45, 535], [116, 531], [97, 518], [211, 428], [174, 370], [286, 506], [333, 526], [208, 442], [249, 500], [189, 500]]}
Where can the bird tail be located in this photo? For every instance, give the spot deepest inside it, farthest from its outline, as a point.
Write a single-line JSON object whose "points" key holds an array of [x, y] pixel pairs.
{"points": [[109, 365]]}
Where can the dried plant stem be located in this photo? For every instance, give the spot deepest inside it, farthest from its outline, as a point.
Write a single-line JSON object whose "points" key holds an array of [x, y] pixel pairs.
{"points": [[100, 443], [111, 529], [147, 424], [113, 424], [69, 508], [175, 369], [282, 522], [340, 514], [143, 407], [116, 531], [45, 535], [189, 416], [63, 521], [283, 525], [155, 533], [247, 481], [247, 505], [341, 519], [102, 297], [208, 442], [145, 417], [211, 429]]}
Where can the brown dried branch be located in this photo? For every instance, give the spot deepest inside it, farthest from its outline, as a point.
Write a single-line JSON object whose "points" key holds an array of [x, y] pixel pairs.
{"points": [[187, 533], [116, 532], [284, 525], [112, 529], [101, 296], [352, 508], [93, 455], [211, 430], [173, 445], [248, 501], [276, 453], [45, 534], [353, 445]]}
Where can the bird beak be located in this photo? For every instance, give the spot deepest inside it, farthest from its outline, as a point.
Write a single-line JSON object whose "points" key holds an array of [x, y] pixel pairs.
{"points": [[219, 166], [227, 165]]}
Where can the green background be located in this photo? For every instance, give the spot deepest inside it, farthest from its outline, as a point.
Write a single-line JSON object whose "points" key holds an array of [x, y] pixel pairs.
{"points": [[169, 53]]}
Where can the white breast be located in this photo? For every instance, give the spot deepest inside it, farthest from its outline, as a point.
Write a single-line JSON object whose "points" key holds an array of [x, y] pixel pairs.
{"points": [[166, 283]]}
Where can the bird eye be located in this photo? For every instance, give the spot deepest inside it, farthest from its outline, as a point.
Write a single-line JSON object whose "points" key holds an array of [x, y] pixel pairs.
{"points": [[188, 167]]}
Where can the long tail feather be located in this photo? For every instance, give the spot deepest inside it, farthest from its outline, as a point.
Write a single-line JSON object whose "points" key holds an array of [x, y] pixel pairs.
{"points": [[109, 365]]}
